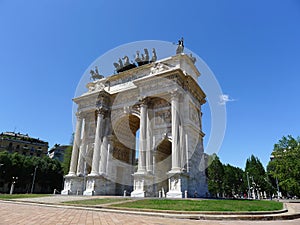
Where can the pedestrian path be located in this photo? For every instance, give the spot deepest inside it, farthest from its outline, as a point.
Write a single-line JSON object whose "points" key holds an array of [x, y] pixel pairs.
{"points": [[292, 212]]}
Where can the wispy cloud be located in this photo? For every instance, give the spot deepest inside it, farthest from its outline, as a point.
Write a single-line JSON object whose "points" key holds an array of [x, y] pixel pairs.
{"points": [[224, 99]]}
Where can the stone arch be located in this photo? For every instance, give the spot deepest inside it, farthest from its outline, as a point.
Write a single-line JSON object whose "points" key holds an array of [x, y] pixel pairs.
{"points": [[125, 128], [163, 164]]}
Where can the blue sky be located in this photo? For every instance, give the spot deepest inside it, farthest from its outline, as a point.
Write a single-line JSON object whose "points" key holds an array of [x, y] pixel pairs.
{"points": [[252, 47]]}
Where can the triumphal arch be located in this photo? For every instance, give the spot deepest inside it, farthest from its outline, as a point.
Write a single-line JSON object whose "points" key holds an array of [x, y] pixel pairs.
{"points": [[139, 130]]}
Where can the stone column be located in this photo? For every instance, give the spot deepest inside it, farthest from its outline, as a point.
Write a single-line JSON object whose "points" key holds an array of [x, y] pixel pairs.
{"points": [[149, 158], [109, 155], [103, 156], [82, 151], [76, 144], [175, 132], [143, 136], [97, 145], [183, 155]]}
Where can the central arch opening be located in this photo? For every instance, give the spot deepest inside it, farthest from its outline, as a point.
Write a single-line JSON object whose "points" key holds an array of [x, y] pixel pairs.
{"points": [[126, 133], [163, 165]]}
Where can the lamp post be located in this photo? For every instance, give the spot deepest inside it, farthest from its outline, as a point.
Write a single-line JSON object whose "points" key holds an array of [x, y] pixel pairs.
{"points": [[33, 179], [277, 188], [84, 177], [12, 187], [248, 185]]}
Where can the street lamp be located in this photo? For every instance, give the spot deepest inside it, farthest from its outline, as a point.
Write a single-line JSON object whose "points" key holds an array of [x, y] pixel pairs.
{"points": [[248, 185], [33, 179], [84, 177], [13, 185], [277, 188]]}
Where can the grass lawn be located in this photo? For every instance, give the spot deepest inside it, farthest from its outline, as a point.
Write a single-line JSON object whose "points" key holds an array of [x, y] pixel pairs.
{"points": [[203, 205], [14, 196], [98, 201]]}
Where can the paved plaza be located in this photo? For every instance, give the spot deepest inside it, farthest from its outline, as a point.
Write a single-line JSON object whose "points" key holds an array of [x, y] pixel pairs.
{"points": [[15, 213], [25, 212]]}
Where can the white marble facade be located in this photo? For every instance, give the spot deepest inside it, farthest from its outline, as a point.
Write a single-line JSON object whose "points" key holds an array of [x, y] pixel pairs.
{"points": [[162, 102]]}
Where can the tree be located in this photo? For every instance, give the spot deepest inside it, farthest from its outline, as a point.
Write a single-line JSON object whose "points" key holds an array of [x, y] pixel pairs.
{"points": [[215, 177], [48, 173], [67, 160], [67, 156], [284, 166], [233, 181], [257, 175]]}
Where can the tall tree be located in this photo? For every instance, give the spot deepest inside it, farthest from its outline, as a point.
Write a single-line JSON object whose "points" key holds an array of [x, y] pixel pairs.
{"points": [[215, 177], [284, 166], [233, 181], [257, 175], [67, 156]]}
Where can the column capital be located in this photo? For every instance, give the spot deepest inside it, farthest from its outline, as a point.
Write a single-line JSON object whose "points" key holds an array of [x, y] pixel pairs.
{"points": [[79, 115], [175, 93], [144, 101], [101, 110]]}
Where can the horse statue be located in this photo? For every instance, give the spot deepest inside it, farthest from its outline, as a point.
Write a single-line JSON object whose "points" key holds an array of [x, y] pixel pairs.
{"points": [[137, 57], [126, 60], [122, 66], [119, 65], [154, 56], [95, 74], [146, 58]]}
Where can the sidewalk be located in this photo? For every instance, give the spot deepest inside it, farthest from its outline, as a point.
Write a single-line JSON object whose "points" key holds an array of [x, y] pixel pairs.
{"points": [[292, 211]]}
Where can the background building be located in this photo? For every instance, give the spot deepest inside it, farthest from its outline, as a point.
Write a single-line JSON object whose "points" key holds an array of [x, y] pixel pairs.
{"points": [[23, 144], [58, 152]]}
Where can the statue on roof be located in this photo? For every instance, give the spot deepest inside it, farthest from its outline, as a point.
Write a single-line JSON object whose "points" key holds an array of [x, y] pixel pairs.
{"points": [[154, 56], [95, 74], [126, 60], [180, 46], [192, 58], [137, 57]]}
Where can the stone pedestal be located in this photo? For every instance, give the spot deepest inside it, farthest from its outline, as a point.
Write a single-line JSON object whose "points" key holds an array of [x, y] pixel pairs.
{"points": [[178, 184], [98, 185], [73, 185], [143, 185]]}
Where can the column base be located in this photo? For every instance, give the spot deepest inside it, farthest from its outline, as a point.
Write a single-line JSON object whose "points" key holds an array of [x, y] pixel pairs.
{"points": [[143, 185], [73, 185], [99, 185], [137, 194], [178, 184], [93, 174], [89, 193], [174, 194], [65, 192], [71, 174]]}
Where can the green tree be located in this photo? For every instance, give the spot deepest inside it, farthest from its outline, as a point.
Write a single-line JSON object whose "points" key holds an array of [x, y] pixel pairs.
{"points": [[215, 177], [257, 175], [48, 174], [67, 156], [285, 166], [233, 181]]}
